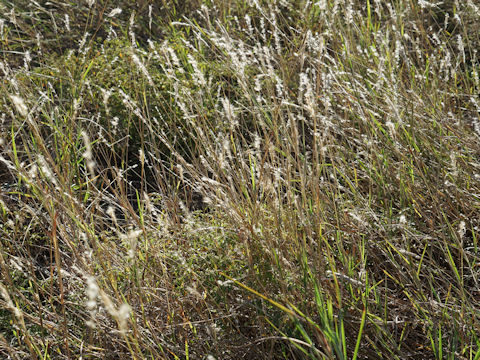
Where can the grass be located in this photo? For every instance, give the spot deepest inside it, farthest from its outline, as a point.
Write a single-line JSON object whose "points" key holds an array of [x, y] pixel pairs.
{"points": [[240, 179]]}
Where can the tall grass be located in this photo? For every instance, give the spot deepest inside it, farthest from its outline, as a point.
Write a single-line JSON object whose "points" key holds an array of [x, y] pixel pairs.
{"points": [[242, 179]]}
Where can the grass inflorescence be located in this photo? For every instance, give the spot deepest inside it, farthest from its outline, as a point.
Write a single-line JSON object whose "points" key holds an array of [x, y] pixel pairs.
{"points": [[239, 179]]}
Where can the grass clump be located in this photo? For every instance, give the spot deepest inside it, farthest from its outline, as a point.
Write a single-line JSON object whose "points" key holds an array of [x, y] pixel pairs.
{"points": [[239, 180]]}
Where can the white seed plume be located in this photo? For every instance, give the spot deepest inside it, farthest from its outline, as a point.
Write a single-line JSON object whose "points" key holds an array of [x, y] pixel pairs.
{"points": [[229, 112], [111, 212], [92, 292], [67, 22], [248, 21], [322, 5], [343, 277], [32, 173], [114, 122], [141, 156], [142, 68], [88, 153], [26, 60], [130, 29], [46, 170], [461, 48], [9, 303], [121, 315], [83, 41], [150, 8], [19, 104], [462, 229], [174, 59], [131, 239], [114, 12], [197, 75]]}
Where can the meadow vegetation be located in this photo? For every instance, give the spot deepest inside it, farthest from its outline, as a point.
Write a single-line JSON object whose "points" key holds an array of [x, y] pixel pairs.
{"points": [[239, 179]]}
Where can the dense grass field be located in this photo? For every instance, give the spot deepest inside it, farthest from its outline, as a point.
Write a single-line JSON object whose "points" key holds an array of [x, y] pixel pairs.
{"points": [[239, 179]]}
